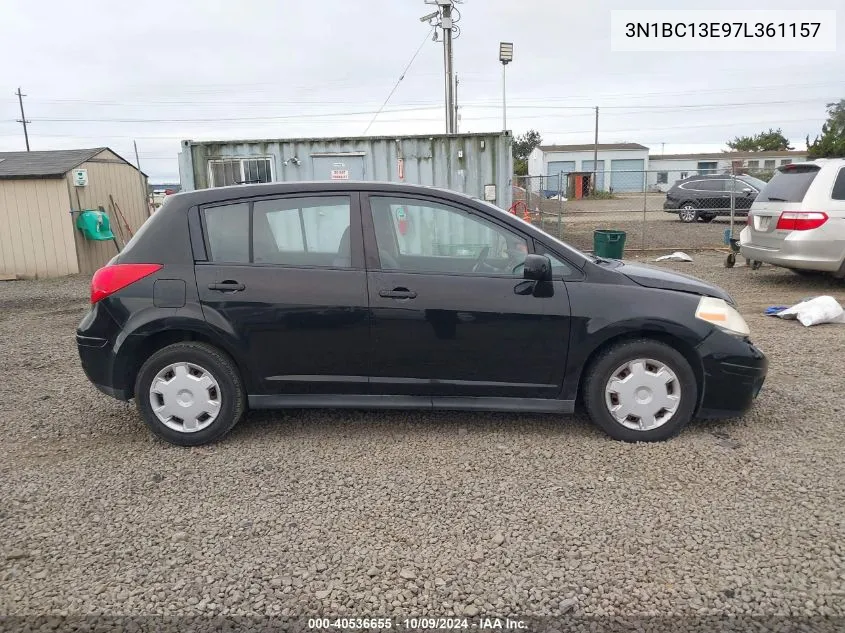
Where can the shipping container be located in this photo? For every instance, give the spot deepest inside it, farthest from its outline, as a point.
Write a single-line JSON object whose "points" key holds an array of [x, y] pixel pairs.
{"points": [[479, 165]]}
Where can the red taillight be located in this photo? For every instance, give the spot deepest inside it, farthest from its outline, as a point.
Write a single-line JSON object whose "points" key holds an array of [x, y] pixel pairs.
{"points": [[801, 220], [110, 279]]}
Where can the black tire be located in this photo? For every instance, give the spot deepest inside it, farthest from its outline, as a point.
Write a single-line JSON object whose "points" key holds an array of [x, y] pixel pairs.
{"points": [[219, 365], [707, 218], [688, 213], [601, 370]]}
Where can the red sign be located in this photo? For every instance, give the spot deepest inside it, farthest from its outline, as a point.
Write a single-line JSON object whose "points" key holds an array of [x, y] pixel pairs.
{"points": [[401, 169]]}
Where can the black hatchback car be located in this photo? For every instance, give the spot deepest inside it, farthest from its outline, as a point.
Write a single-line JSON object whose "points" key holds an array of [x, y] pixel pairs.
{"points": [[708, 196], [389, 296]]}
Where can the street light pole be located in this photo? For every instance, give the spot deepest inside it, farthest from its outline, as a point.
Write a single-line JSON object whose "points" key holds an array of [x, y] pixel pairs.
{"points": [[506, 57]]}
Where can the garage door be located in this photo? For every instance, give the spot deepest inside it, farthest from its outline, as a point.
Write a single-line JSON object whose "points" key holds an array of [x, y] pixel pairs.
{"points": [[554, 168], [627, 174], [587, 165]]}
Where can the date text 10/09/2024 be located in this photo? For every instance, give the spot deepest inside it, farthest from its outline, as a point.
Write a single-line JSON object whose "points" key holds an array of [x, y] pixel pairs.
{"points": [[412, 624], [722, 29]]}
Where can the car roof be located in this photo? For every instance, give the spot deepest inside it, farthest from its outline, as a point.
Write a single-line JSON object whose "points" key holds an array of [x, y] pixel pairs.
{"points": [[220, 194]]}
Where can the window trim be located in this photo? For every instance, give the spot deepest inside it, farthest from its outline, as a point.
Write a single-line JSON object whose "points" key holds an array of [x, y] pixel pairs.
{"points": [[355, 229], [240, 159], [373, 260]]}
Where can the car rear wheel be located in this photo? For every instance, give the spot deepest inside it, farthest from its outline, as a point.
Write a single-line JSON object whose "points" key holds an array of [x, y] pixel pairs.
{"points": [[640, 391], [189, 394], [688, 213]]}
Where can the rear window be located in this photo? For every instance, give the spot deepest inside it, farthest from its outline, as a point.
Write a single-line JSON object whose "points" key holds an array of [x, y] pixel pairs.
{"points": [[789, 184]]}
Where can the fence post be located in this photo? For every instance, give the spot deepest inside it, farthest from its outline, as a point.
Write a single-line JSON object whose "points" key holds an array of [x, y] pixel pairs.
{"points": [[733, 196], [560, 203], [645, 207]]}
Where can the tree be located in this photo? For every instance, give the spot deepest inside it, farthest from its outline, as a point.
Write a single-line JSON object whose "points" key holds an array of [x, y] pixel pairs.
{"points": [[523, 145], [831, 143], [773, 140]]}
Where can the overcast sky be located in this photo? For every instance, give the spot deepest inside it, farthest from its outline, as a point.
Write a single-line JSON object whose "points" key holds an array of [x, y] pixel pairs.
{"points": [[105, 72]]}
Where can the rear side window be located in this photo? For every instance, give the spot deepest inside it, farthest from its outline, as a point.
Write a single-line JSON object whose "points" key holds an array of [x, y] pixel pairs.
{"points": [[839, 186], [713, 184], [227, 230], [789, 184]]}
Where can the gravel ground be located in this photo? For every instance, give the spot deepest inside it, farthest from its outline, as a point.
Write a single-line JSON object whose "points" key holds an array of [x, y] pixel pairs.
{"points": [[401, 514]]}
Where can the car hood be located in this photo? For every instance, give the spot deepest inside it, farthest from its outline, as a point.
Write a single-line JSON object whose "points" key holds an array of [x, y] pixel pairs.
{"points": [[654, 277]]}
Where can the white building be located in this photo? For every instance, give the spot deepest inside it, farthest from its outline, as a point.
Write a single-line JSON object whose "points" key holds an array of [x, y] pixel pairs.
{"points": [[665, 169], [620, 167]]}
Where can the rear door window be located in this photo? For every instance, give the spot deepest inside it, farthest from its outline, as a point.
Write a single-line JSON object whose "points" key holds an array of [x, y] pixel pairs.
{"points": [[789, 184]]}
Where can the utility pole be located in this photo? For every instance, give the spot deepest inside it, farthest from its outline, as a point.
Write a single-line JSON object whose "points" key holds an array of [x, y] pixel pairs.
{"points": [[23, 117], [446, 25], [596, 152], [443, 19]]}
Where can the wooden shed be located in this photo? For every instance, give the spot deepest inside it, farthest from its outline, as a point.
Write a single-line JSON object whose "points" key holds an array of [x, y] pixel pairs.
{"points": [[41, 195]]}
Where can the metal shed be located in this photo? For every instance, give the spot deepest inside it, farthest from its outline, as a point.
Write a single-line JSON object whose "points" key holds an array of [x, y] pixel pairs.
{"points": [[468, 163], [40, 197]]}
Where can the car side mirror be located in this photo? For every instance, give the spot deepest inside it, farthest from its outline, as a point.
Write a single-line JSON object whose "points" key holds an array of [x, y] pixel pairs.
{"points": [[537, 268], [747, 190]]}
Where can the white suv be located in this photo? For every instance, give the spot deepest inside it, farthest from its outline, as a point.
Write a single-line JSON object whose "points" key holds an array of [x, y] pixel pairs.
{"points": [[798, 219]]}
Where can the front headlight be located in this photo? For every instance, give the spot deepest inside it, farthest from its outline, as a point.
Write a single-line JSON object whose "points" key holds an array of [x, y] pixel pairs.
{"points": [[723, 316]]}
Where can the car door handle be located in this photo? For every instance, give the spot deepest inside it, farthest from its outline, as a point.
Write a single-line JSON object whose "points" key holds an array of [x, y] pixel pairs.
{"points": [[398, 293], [227, 286]]}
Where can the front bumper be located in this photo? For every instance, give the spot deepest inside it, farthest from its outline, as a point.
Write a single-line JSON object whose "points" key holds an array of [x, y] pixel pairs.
{"points": [[734, 373]]}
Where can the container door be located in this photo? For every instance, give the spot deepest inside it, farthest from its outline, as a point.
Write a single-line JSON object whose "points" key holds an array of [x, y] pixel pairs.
{"points": [[338, 167]]}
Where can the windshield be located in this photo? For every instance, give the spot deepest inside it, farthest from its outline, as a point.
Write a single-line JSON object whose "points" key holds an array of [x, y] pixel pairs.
{"points": [[551, 239], [789, 184]]}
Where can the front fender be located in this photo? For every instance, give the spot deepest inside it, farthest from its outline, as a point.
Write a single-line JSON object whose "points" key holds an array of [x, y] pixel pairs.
{"points": [[602, 313]]}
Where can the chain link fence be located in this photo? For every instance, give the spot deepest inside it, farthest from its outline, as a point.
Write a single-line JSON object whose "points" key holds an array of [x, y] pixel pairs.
{"points": [[679, 209]]}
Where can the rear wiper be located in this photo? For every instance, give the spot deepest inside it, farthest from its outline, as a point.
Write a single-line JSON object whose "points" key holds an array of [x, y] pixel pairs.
{"points": [[777, 199]]}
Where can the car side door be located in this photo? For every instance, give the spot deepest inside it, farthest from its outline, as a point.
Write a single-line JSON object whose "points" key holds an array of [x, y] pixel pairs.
{"points": [[451, 315], [282, 279]]}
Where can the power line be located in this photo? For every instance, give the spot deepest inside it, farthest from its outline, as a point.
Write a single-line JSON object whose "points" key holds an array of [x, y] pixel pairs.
{"points": [[398, 81]]}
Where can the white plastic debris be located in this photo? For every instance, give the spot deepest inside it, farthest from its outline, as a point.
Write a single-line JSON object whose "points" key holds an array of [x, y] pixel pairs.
{"points": [[824, 309], [677, 256]]}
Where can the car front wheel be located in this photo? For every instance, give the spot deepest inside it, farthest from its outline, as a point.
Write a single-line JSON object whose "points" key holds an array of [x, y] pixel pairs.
{"points": [[688, 212], [640, 391], [190, 394]]}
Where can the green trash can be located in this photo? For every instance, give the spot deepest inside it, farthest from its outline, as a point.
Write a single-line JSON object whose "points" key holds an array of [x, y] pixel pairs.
{"points": [[609, 243]]}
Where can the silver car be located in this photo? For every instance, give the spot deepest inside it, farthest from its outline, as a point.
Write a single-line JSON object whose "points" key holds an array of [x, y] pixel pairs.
{"points": [[798, 219]]}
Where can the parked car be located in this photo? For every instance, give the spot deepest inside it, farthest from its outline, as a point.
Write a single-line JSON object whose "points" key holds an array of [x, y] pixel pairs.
{"points": [[798, 220], [312, 295], [708, 196]]}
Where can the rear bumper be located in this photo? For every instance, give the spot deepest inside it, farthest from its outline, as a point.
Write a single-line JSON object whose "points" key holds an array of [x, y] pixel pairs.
{"points": [[798, 249], [97, 359], [734, 373]]}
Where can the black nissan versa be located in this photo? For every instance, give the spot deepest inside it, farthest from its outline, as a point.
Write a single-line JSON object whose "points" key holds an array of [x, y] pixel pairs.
{"points": [[373, 295]]}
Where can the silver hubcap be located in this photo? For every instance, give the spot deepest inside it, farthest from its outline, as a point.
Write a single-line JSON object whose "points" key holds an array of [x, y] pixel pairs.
{"points": [[643, 394], [688, 214], [185, 397]]}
